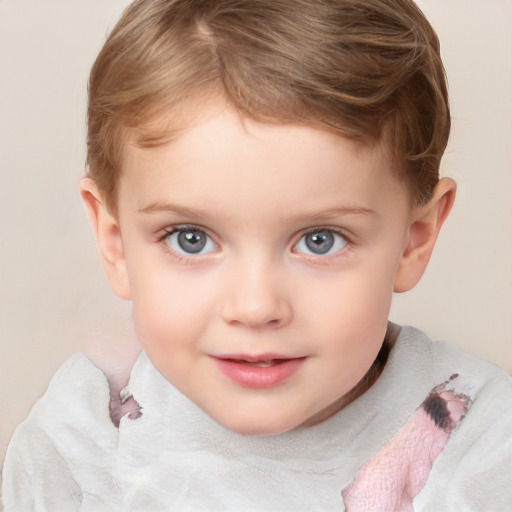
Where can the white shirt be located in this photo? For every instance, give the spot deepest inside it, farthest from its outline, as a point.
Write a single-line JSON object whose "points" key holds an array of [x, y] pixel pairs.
{"points": [[68, 456]]}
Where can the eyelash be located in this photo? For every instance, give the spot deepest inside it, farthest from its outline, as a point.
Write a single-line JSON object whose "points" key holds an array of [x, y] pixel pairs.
{"points": [[177, 256], [182, 258], [319, 259]]}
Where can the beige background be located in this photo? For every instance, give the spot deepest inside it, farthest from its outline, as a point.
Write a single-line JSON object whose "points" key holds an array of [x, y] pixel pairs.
{"points": [[53, 297]]}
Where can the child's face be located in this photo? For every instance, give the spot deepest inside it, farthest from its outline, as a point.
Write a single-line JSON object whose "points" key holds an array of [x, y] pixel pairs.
{"points": [[261, 261]]}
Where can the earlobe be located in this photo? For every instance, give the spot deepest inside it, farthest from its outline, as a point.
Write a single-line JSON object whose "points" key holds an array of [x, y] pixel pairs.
{"points": [[426, 222], [108, 237]]}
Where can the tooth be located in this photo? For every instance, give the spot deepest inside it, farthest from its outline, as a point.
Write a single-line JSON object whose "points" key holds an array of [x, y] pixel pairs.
{"points": [[266, 364], [259, 364]]}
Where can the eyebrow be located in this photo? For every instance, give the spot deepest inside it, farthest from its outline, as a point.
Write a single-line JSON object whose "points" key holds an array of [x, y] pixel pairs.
{"points": [[182, 211], [342, 210], [199, 213]]}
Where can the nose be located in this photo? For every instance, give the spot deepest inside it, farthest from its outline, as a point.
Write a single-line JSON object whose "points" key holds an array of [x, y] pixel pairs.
{"points": [[256, 297]]}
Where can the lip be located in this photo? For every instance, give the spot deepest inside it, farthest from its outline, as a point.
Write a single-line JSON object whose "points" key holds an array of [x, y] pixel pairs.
{"points": [[243, 369]]}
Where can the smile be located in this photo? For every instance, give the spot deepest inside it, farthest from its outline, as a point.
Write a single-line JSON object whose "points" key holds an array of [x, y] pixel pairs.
{"points": [[258, 372]]}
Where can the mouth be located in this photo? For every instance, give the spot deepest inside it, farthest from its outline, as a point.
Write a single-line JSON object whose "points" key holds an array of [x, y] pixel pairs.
{"points": [[259, 364], [262, 371]]}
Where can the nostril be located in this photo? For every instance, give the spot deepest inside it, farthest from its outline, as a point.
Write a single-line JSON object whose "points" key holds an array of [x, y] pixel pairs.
{"points": [[257, 318], [256, 301]]}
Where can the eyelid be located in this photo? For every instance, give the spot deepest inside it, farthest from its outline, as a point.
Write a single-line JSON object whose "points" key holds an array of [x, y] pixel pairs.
{"points": [[176, 228], [337, 230]]}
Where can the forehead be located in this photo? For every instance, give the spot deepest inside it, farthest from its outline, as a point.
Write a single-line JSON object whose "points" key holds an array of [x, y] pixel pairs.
{"points": [[225, 160]]}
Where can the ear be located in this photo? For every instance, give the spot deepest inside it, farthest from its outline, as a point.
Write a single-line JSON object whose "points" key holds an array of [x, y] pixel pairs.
{"points": [[108, 237], [426, 222]]}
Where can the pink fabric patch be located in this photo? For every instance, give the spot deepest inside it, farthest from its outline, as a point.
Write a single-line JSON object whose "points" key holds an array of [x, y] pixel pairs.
{"points": [[391, 479], [122, 404]]}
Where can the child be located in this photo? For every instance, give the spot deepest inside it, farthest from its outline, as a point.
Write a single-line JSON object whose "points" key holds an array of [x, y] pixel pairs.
{"points": [[262, 176]]}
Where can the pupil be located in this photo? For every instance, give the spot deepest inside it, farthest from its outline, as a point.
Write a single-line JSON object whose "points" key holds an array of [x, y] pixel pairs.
{"points": [[192, 241], [320, 242]]}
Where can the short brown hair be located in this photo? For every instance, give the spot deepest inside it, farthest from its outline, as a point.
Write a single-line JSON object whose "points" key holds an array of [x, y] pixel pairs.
{"points": [[367, 69]]}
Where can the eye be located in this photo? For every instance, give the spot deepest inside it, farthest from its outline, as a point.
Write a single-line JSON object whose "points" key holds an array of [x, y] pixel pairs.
{"points": [[321, 242], [189, 241]]}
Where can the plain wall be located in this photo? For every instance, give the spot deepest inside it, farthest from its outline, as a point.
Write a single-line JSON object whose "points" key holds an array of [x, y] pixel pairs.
{"points": [[54, 299]]}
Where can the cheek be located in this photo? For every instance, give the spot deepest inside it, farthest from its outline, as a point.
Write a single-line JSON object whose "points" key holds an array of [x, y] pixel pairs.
{"points": [[352, 313], [170, 308], [363, 292]]}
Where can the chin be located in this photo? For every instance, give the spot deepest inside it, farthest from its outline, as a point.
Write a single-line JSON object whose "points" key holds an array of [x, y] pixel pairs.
{"points": [[257, 426]]}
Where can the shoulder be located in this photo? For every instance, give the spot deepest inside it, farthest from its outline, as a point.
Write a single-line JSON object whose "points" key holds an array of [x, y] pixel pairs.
{"points": [[75, 403], [484, 382], [475, 468], [65, 442], [445, 359], [488, 387]]}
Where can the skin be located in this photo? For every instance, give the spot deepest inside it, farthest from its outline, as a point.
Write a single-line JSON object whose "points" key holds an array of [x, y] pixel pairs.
{"points": [[256, 190]]}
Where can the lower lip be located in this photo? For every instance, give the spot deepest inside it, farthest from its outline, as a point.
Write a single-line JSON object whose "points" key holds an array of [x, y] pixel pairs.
{"points": [[259, 376]]}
